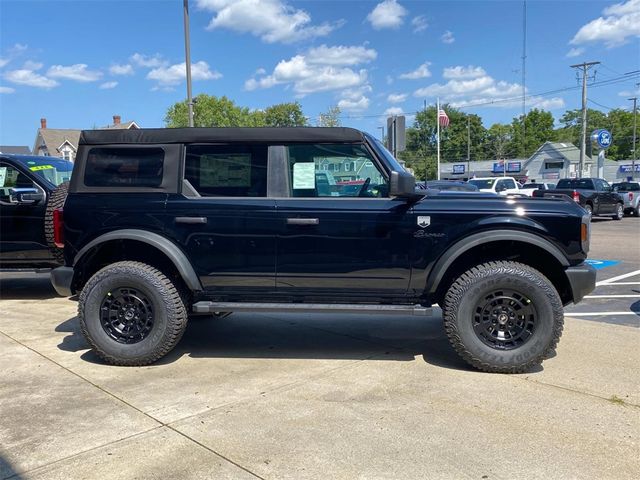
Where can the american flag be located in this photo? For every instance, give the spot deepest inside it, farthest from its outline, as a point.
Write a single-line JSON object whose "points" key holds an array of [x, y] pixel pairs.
{"points": [[443, 119]]}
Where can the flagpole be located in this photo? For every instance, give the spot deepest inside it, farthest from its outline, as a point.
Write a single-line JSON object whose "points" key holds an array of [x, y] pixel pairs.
{"points": [[438, 136]]}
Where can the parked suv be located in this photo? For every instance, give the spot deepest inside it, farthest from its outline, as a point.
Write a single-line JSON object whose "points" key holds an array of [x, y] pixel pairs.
{"points": [[31, 188], [499, 185], [160, 224]]}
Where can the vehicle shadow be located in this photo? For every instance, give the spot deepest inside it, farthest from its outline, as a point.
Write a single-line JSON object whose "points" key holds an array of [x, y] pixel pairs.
{"points": [[306, 336], [26, 286], [6, 469]]}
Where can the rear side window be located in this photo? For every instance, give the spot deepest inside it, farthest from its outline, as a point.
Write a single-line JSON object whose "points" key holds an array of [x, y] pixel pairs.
{"points": [[227, 170], [124, 167]]}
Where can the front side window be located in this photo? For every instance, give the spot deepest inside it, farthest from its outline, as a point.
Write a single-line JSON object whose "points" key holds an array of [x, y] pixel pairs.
{"points": [[334, 171], [124, 167], [227, 170]]}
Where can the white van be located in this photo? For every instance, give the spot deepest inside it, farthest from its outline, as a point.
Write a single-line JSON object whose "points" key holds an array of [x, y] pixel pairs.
{"points": [[499, 185]]}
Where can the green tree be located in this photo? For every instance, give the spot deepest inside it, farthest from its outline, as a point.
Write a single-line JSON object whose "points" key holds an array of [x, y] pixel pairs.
{"points": [[285, 115], [539, 129], [330, 118], [499, 141], [211, 111], [620, 124]]}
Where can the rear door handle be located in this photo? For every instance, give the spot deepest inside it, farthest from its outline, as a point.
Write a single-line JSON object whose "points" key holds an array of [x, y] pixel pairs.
{"points": [[303, 221], [191, 220]]}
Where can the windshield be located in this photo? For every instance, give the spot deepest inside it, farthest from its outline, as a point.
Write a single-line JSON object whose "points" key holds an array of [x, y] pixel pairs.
{"points": [[486, 183], [52, 169], [377, 144]]}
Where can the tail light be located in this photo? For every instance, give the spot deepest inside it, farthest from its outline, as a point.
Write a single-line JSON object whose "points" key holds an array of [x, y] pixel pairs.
{"points": [[58, 228], [576, 196], [585, 233], [631, 196]]}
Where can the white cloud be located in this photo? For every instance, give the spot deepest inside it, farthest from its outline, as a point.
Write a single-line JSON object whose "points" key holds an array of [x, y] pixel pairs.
{"points": [[6, 89], [387, 14], [174, 74], [147, 61], [272, 20], [396, 97], [125, 69], [30, 65], [575, 52], [615, 27], [461, 90], [447, 37], [77, 72], [460, 72], [340, 55], [30, 78], [355, 105], [421, 72], [394, 111], [12, 52], [3, 62], [320, 69], [108, 85], [419, 24]]}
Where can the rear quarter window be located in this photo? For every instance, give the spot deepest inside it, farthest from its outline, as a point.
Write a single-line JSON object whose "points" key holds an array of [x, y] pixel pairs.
{"points": [[124, 167]]}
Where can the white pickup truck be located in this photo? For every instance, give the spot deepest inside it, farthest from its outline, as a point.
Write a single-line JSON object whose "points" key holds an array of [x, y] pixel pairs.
{"points": [[630, 192], [499, 185], [528, 188]]}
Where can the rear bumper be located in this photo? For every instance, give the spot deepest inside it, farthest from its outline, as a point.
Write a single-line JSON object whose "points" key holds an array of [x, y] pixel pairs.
{"points": [[61, 279], [582, 279]]}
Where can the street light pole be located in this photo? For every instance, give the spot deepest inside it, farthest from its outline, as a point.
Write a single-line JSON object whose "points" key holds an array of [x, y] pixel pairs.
{"points": [[382, 138], [187, 48]]}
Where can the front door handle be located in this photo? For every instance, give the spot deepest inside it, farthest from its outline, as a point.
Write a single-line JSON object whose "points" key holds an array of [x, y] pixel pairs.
{"points": [[303, 221], [191, 220]]}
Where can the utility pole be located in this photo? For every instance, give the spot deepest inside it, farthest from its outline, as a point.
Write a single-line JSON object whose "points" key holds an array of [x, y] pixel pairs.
{"points": [[382, 138], [187, 48], [524, 78], [426, 146], [468, 143], [583, 137], [635, 149]]}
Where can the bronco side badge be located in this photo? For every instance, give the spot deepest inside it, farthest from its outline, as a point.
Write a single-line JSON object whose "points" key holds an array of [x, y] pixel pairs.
{"points": [[424, 221]]}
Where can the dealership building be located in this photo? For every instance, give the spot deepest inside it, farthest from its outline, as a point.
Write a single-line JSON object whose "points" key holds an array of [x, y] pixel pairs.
{"points": [[551, 162]]}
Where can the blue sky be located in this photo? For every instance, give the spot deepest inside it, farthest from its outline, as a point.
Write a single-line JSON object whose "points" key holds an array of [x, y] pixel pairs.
{"points": [[78, 63]]}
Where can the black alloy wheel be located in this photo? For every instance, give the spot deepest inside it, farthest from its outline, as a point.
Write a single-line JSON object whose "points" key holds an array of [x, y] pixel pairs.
{"points": [[504, 319], [126, 315]]}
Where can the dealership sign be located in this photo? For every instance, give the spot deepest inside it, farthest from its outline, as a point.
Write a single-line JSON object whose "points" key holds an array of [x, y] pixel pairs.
{"points": [[512, 167], [627, 168], [458, 169]]}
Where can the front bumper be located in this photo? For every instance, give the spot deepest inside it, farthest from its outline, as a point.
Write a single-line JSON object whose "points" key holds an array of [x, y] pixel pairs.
{"points": [[61, 279], [582, 279]]}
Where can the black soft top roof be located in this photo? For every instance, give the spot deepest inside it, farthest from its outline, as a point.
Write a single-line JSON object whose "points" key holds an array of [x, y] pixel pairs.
{"points": [[217, 135]]}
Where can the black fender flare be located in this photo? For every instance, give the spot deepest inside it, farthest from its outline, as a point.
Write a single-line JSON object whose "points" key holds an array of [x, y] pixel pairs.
{"points": [[452, 253], [166, 246]]}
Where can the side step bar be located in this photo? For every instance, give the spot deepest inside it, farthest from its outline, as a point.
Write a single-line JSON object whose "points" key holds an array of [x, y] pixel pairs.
{"points": [[210, 307]]}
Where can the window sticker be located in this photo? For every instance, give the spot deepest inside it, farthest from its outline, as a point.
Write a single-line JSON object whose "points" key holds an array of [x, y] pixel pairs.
{"points": [[37, 168], [304, 175], [3, 175]]}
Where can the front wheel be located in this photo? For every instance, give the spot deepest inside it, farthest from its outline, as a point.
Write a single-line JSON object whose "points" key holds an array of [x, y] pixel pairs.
{"points": [[503, 317], [619, 212], [131, 314]]}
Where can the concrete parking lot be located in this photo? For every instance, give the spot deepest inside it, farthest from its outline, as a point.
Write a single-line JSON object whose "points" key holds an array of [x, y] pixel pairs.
{"points": [[317, 396]]}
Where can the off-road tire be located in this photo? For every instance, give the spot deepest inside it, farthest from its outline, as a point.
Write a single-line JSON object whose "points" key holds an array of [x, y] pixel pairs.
{"points": [[619, 212], [636, 211], [463, 297], [56, 200], [170, 314]]}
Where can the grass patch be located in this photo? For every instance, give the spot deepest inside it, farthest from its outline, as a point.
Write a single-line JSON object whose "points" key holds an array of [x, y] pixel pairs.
{"points": [[617, 400]]}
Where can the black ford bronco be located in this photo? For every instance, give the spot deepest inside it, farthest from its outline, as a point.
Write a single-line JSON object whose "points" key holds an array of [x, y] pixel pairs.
{"points": [[161, 224], [31, 189]]}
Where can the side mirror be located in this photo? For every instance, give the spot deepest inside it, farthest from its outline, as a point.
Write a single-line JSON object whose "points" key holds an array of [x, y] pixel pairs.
{"points": [[26, 196], [402, 184]]}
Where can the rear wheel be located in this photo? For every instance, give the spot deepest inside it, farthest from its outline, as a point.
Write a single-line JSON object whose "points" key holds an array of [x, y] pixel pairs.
{"points": [[636, 211], [131, 314], [619, 215], [503, 317], [589, 209]]}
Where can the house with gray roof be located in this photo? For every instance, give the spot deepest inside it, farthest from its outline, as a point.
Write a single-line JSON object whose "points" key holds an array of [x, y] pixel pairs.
{"points": [[15, 149], [63, 142]]}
